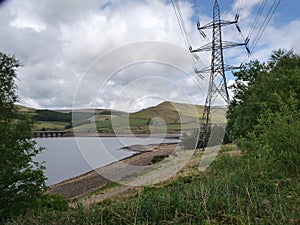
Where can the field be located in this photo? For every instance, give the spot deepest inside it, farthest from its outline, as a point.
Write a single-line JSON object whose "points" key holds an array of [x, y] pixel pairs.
{"points": [[167, 117]]}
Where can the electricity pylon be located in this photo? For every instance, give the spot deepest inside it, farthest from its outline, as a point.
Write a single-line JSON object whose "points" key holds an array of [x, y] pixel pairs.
{"points": [[217, 80]]}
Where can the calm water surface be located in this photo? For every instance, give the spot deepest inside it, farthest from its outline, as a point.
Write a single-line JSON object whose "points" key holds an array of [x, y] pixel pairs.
{"points": [[68, 157]]}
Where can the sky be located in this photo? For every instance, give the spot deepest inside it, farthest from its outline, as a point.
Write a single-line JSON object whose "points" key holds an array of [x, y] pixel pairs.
{"points": [[128, 54]]}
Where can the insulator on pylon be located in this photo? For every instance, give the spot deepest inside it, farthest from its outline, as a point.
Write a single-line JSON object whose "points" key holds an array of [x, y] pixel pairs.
{"points": [[248, 50], [196, 56], [199, 74], [237, 16], [202, 34]]}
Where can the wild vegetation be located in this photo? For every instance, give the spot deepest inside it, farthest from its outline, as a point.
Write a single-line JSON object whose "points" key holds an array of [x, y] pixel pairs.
{"points": [[264, 116], [235, 190], [22, 181], [254, 180]]}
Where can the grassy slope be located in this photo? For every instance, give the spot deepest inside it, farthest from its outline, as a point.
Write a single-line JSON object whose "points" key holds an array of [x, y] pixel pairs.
{"points": [[175, 116], [234, 190], [167, 115]]}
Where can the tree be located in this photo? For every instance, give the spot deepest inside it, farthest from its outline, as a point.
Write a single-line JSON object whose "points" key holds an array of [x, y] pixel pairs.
{"points": [[264, 115], [241, 114], [22, 180], [263, 88]]}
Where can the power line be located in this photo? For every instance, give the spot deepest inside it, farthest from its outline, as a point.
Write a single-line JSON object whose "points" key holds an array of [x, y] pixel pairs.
{"points": [[257, 17], [263, 25], [181, 22], [179, 15], [266, 22]]}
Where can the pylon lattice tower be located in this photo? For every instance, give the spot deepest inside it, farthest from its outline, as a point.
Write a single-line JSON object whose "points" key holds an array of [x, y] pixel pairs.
{"points": [[217, 80]]}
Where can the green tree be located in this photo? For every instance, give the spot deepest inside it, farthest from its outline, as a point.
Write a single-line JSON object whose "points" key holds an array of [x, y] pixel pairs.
{"points": [[263, 88], [22, 181], [241, 115], [264, 114]]}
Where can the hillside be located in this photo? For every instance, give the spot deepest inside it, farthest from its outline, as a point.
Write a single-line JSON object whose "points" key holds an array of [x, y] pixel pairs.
{"points": [[170, 117]]}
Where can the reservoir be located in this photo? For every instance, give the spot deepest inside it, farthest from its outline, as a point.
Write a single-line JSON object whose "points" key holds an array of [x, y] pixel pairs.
{"points": [[65, 158]]}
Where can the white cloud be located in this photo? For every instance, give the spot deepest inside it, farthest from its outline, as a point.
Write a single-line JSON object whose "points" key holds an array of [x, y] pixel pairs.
{"points": [[24, 17], [24, 21], [57, 41], [245, 7], [242, 4]]}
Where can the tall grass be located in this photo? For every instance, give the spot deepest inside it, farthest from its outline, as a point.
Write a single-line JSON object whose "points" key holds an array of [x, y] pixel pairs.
{"points": [[235, 190]]}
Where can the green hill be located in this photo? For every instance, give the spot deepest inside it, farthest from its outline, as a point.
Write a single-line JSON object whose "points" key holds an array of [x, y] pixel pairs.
{"points": [[170, 116], [167, 115]]}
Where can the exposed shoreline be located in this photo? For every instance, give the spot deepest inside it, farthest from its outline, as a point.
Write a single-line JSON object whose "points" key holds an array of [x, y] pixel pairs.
{"points": [[91, 181], [97, 134]]}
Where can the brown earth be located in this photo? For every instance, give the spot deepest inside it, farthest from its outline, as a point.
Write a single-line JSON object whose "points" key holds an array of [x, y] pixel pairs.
{"points": [[94, 180]]}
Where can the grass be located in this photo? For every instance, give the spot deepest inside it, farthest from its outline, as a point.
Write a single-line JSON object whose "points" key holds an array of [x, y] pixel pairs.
{"points": [[102, 190], [234, 190], [175, 116], [50, 125]]}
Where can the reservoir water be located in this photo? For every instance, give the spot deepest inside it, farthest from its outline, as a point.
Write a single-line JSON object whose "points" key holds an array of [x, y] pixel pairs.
{"points": [[65, 158]]}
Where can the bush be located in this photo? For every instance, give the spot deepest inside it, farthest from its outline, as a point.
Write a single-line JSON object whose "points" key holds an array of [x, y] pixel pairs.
{"points": [[53, 202]]}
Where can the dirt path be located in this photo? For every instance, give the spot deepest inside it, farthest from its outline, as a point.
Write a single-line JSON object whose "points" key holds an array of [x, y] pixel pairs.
{"points": [[90, 182]]}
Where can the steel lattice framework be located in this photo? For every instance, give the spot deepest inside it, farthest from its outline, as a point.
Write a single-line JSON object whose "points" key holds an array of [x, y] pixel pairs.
{"points": [[217, 80]]}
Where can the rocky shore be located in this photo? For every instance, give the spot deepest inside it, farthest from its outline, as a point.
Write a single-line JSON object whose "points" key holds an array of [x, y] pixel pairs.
{"points": [[91, 181]]}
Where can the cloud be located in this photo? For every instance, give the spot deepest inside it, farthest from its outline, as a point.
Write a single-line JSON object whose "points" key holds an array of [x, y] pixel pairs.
{"points": [[241, 4], [58, 41]]}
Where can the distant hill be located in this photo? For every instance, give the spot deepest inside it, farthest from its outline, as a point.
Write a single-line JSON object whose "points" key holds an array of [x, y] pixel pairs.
{"points": [[25, 109], [170, 116]]}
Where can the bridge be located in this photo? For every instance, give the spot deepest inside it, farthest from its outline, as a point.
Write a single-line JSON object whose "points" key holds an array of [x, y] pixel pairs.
{"points": [[51, 133]]}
